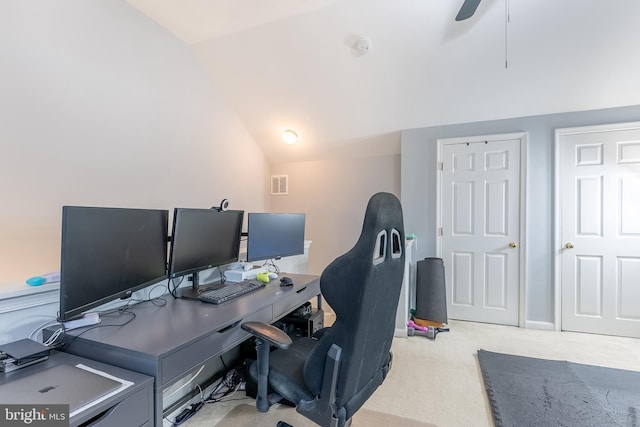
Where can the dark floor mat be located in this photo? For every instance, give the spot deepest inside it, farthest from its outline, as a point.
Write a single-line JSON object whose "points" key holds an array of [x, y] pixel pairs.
{"points": [[524, 391]]}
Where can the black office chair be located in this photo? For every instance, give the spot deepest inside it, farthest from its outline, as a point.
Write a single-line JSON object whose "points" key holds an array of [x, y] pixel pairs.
{"points": [[329, 378]]}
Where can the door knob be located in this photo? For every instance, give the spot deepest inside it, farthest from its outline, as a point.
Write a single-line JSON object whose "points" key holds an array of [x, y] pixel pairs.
{"points": [[569, 246], [513, 245]]}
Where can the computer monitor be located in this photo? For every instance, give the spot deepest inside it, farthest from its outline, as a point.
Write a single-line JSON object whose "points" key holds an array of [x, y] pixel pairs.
{"points": [[203, 239], [109, 253], [274, 235]]}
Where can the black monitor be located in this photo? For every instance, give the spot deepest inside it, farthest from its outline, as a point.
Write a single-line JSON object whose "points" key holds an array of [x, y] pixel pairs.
{"points": [[108, 253], [274, 235], [203, 239]]}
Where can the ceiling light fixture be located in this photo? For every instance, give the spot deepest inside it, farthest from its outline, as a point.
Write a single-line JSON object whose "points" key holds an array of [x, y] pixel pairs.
{"points": [[289, 136]]}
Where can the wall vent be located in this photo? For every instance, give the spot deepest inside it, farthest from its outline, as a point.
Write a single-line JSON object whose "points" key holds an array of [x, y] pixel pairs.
{"points": [[279, 184]]}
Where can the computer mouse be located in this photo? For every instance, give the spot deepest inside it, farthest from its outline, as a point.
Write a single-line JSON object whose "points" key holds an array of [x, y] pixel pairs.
{"points": [[273, 276], [286, 281], [36, 281]]}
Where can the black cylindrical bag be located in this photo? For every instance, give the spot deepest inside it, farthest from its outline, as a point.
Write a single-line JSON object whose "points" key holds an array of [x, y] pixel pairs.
{"points": [[431, 293]]}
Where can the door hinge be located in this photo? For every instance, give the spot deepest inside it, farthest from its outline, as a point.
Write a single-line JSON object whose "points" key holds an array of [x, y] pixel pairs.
{"points": [[440, 231], [441, 166]]}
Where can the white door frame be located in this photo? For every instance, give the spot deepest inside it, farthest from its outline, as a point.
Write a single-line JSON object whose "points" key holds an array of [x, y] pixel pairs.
{"points": [[523, 137], [557, 262]]}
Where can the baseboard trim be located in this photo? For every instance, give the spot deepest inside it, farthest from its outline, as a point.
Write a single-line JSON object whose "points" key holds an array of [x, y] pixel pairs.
{"points": [[543, 326], [400, 333]]}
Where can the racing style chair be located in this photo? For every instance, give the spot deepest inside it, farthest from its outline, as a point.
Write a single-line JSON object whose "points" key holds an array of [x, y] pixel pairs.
{"points": [[329, 378]]}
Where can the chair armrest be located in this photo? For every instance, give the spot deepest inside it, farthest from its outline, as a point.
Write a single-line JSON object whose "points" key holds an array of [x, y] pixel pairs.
{"points": [[269, 333]]}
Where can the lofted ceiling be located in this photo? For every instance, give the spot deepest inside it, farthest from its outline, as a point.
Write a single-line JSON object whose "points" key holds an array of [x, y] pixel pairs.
{"points": [[294, 64]]}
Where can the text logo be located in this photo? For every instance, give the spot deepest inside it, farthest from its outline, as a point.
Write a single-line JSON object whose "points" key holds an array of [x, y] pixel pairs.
{"points": [[34, 415]]}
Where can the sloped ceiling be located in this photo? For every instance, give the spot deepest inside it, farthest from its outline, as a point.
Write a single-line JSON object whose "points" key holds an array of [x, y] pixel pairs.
{"points": [[293, 64]]}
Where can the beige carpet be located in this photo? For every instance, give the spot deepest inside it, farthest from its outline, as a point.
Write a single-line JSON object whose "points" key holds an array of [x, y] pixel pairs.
{"points": [[245, 415], [440, 381]]}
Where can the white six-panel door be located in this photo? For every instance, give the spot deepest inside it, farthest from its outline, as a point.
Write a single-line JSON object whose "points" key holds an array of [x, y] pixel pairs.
{"points": [[480, 227], [599, 235]]}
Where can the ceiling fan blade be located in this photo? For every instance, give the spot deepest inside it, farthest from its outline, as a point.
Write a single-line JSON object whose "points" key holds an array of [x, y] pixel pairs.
{"points": [[467, 10]]}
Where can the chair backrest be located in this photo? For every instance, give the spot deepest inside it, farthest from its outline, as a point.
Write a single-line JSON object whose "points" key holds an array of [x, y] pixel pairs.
{"points": [[363, 287]]}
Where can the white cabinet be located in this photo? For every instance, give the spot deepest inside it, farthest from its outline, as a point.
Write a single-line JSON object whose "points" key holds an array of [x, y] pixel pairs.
{"points": [[407, 294]]}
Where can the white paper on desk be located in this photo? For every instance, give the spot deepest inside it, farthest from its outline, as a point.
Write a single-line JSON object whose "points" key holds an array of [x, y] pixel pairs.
{"points": [[124, 385]]}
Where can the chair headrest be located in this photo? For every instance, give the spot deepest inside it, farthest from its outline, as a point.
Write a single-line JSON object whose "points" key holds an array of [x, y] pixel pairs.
{"points": [[383, 228]]}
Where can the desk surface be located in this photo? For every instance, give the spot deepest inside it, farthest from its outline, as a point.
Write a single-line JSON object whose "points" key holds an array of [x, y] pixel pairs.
{"points": [[157, 330]]}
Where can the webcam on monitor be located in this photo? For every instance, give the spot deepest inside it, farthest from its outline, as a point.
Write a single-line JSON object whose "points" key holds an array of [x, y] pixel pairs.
{"points": [[224, 206]]}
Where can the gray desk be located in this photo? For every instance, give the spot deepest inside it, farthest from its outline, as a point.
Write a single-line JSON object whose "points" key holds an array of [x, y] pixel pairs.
{"points": [[132, 406], [171, 341]]}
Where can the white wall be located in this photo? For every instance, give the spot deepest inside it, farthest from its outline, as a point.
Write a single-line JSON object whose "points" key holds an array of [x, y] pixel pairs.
{"points": [[419, 189], [101, 106], [333, 193], [423, 68]]}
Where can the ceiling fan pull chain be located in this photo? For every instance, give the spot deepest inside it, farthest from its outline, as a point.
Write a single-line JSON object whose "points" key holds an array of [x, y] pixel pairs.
{"points": [[507, 18]]}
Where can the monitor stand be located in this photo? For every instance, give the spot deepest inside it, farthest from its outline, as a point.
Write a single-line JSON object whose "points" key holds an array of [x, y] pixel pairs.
{"points": [[193, 293], [87, 319]]}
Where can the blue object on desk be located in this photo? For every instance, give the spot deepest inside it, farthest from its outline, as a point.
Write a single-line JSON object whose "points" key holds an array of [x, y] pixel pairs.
{"points": [[36, 281]]}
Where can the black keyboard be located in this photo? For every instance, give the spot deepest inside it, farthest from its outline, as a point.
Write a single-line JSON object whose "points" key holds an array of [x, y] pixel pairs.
{"points": [[229, 292]]}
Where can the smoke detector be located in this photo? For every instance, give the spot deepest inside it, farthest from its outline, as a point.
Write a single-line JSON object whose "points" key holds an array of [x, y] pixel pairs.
{"points": [[363, 45]]}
